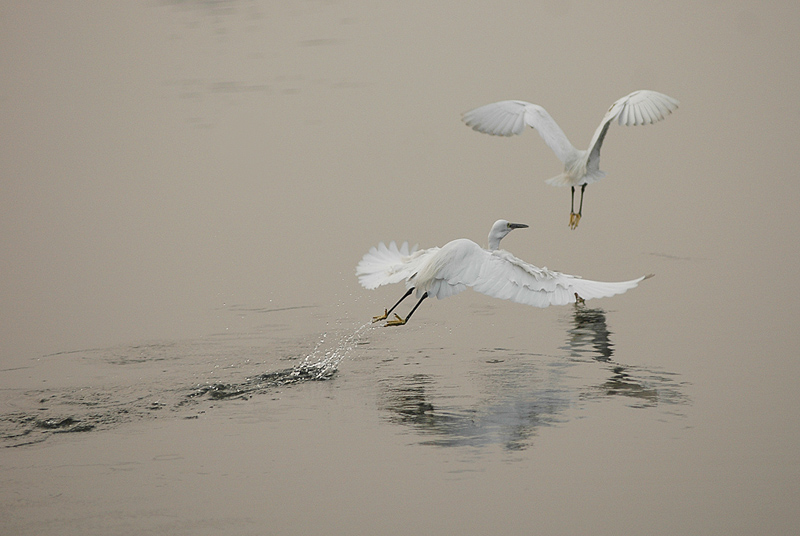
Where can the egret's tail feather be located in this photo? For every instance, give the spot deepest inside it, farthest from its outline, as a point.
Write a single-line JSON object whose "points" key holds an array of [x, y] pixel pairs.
{"points": [[383, 265], [564, 179]]}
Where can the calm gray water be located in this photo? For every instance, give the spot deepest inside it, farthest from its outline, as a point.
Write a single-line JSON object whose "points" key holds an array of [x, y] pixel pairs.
{"points": [[188, 186]]}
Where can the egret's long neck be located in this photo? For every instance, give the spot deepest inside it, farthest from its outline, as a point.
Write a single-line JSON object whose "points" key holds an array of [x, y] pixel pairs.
{"points": [[494, 241]]}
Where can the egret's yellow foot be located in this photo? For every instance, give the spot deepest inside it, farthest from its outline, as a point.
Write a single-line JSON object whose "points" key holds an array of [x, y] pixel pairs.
{"points": [[396, 321], [573, 220], [382, 317], [579, 300]]}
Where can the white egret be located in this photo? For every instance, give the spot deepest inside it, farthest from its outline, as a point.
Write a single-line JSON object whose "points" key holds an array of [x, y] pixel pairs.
{"points": [[445, 271], [510, 117]]}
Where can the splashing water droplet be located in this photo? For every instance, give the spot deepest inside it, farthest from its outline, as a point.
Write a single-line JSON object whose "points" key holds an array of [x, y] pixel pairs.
{"points": [[322, 365]]}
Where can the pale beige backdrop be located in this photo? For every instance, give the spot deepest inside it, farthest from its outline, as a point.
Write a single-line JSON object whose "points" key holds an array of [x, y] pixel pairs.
{"points": [[176, 174]]}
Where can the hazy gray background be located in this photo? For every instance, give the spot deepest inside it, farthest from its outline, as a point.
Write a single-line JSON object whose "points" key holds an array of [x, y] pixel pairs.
{"points": [[169, 166], [161, 159]]}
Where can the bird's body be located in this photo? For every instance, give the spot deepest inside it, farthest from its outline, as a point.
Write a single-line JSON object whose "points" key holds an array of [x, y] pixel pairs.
{"points": [[461, 263], [581, 167]]}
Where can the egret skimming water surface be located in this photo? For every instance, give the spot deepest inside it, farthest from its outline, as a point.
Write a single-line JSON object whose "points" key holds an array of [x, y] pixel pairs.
{"points": [[461, 263]]}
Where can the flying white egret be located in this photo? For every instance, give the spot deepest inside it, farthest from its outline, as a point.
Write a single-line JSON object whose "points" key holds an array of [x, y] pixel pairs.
{"points": [[580, 167], [445, 271]]}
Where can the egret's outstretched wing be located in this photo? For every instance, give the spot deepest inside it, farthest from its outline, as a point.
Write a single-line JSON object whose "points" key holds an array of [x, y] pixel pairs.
{"points": [[506, 118], [499, 274], [383, 264], [641, 107]]}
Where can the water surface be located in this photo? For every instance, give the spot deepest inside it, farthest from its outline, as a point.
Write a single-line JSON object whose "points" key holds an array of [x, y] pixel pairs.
{"points": [[188, 186]]}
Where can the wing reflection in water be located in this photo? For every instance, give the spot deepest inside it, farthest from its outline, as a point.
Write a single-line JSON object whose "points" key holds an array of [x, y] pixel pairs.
{"points": [[523, 392], [511, 421]]}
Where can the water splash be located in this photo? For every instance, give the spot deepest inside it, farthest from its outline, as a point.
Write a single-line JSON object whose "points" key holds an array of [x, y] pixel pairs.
{"points": [[33, 415], [322, 364]]}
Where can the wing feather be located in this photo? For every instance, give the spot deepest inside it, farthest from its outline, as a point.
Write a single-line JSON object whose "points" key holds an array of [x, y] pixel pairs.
{"points": [[384, 265], [638, 108], [506, 118], [462, 263]]}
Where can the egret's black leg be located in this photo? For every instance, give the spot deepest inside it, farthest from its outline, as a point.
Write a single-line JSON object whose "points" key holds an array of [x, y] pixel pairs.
{"points": [[387, 311], [576, 218], [572, 208], [406, 295], [400, 321], [572, 202]]}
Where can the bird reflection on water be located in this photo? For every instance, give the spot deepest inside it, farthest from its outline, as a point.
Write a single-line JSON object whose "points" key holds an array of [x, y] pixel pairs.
{"points": [[589, 334], [525, 392], [589, 337], [511, 421]]}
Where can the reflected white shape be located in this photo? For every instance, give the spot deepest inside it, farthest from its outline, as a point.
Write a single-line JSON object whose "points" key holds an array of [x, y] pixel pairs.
{"points": [[581, 167], [526, 399], [589, 334], [522, 393], [461, 263]]}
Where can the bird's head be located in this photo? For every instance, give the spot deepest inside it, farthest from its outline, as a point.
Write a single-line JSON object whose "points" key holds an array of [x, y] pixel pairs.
{"points": [[499, 230]]}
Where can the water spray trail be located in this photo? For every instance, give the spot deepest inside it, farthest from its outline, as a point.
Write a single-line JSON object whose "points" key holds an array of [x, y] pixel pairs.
{"points": [[321, 365]]}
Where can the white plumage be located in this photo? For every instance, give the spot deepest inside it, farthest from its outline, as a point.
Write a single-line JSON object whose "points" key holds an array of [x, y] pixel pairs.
{"points": [[461, 263], [510, 117]]}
